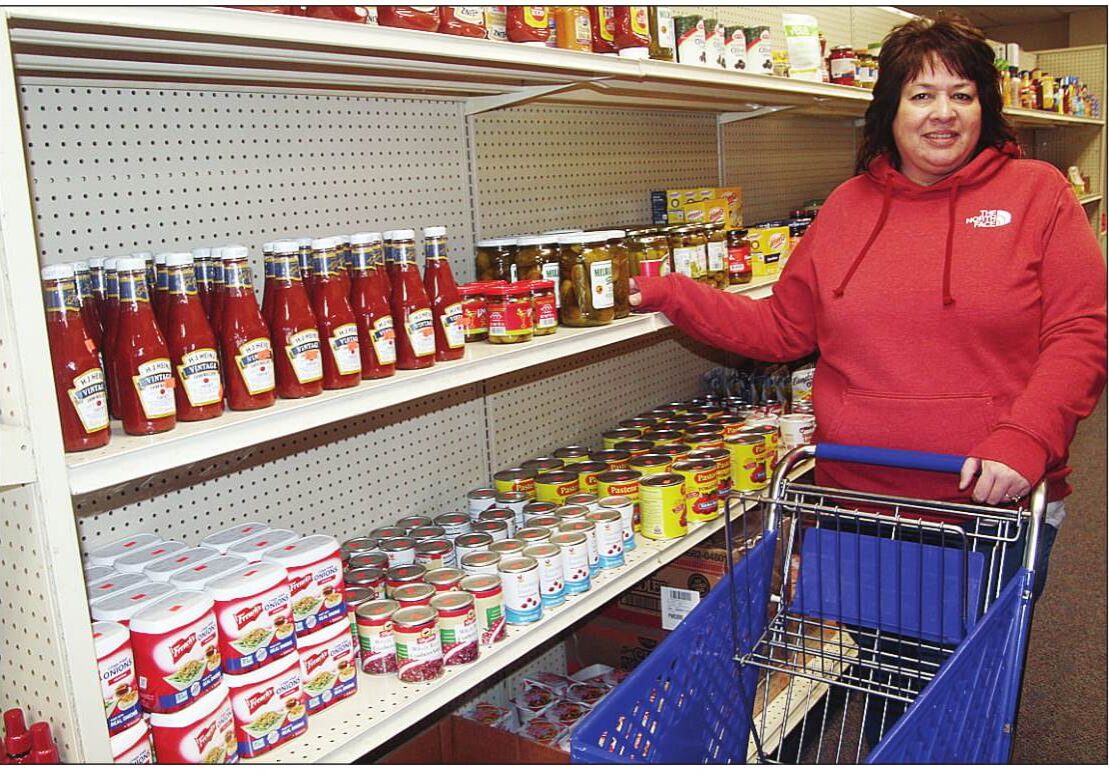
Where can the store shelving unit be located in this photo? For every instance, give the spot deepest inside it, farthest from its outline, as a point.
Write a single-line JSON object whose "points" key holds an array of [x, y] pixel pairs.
{"points": [[206, 126]]}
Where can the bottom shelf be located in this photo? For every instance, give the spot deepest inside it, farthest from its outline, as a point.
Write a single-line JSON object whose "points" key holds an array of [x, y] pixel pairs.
{"points": [[384, 707]]}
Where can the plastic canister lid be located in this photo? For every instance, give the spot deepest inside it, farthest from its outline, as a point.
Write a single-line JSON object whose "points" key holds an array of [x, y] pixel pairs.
{"points": [[254, 547], [569, 238], [116, 583], [137, 560], [435, 231], [202, 253], [537, 239], [224, 538], [252, 579], [106, 554], [170, 612], [234, 252], [178, 259], [404, 234], [265, 673], [124, 740], [193, 713], [57, 271], [97, 261], [162, 570], [388, 235], [96, 573], [496, 242], [112, 262], [324, 243], [267, 247], [594, 237], [144, 255], [120, 607], [107, 637], [323, 635], [197, 577], [160, 258], [80, 266], [303, 551], [365, 238], [284, 246], [130, 264]]}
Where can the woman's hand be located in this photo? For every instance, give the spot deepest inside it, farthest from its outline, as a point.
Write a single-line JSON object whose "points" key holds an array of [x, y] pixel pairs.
{"points": [[997, 483], [634, 297]]}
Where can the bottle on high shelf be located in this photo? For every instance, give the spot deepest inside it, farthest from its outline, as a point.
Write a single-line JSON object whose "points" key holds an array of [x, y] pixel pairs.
{"points": [[193, 348], [245, 350], [442, 292], [370, 303], [342, 358], [293, 329]]}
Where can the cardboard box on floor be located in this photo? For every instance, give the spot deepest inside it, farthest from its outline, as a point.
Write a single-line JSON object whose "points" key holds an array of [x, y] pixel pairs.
{"points": [[458, 741]]}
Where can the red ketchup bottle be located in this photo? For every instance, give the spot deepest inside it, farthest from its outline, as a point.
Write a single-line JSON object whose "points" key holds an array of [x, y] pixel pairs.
{"points": [[110, 319], [245, 350], [409, 17], [528, 24], [86, 300], [267, 285], [342, 358], [160, 298], [602, 21], [141, 358], [17, 739], [304, 258], [202, 272], [342, 251], [293, 330], [442, 291], [412, 314], [633, 33], [389, 256], [193, 348], [43, 749], [97, 282], [78, 379], [370, 303], [215, 314], [341, 13], [465, 20]]}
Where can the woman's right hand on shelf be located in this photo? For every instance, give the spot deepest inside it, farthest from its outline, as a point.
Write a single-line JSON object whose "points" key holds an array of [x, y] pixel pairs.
{"points": [[634, 297]]}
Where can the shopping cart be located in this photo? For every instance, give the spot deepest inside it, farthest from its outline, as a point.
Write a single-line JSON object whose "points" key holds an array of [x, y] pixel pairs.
{"points": [[857, 627]]}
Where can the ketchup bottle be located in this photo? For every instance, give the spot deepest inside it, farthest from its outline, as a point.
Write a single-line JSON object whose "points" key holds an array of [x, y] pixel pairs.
{"points": [[43, 749], [97, 282], [141, 358], [602, 20], [342, 359], [17, 739], [110, 319], [412, 316], [193, 349], [215, 315], [78, 379], [382, 261], [370, 304], [148, 267], [342, 13], [160, 297], [389, 252], [442, 291], [342, 251], [528, 24], [90, 313], [304, 258], [245, 349], [293, 330], [202, 273], [267, 285]]}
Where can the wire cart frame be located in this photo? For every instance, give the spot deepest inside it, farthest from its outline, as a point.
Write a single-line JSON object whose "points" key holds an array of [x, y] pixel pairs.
{"points": [[858, 627]]}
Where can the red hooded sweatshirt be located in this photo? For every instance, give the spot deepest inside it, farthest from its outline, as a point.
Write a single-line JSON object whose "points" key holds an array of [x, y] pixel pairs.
{"points": [[966, 317]]}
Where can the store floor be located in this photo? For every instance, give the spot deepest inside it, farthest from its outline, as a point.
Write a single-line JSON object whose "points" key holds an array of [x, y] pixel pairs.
{"points": [[1063, 708]]}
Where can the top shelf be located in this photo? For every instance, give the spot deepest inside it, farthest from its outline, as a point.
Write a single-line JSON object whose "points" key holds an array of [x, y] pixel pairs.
{"points": [[218, 46]]}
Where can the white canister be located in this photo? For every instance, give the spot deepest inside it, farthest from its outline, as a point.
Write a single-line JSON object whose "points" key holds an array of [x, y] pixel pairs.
{"points": [[315, 581], [479, 500], [116, 583], [574, 554], [121, 606], [118, 686], [268, 706], [626, 508], [327, 666], [254, 616], [135, 561], [795, 430], [222, 540], [96, 573], [203, 733], [552, 584], [587, 528], [610, 537], [162, 570], [254, 547], [132, 746], [515, 501], [197, 577], [523, 603], [105, 555]]}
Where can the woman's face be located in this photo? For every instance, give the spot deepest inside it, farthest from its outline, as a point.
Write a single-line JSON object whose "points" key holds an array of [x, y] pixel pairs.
{"points": [[938, 122]]}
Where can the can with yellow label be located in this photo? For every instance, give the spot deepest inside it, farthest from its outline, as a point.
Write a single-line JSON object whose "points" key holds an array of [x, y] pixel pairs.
{"points": [[662, 506], [520, 480], [572, 454], [771, 434], [665, 437], [556, 486], [748, 461], [648, 464], [621, 482], [613, 459], [634, 446], [702, 502], [587, 472], [723, 460], [610, 438]]}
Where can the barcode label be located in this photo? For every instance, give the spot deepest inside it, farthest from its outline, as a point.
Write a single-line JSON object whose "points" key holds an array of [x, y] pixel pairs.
{"points": [[676, 604]]}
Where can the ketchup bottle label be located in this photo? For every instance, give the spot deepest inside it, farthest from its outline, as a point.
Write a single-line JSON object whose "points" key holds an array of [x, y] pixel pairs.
{"points": [[154, 385], [384, 340], [89, 395], [452, 325], [344, 346], [421, 332], [304, 354], [199, 373], [255, 362]]}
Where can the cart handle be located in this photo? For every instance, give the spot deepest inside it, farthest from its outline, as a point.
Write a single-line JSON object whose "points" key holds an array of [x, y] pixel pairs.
{"points": [[882, 456]]}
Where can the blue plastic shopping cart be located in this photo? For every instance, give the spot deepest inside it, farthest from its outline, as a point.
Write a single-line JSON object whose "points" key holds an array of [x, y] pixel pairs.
{"points": [[858, 627]]}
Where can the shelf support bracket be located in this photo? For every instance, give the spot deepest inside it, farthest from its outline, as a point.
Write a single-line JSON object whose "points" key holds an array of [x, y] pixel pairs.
{"points": [[754, 113], [17, 462], [476, 105]]}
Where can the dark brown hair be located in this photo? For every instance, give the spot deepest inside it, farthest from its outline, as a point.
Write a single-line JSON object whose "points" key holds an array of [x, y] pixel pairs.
{"points": [[906, 51]]}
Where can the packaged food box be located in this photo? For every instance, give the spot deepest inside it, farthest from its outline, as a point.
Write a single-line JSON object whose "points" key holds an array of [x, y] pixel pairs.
{"points": [[532, 702], [586, 692], [599, 673], [542, 731], [553, 681], [769, 249], [567, 712], [489, 715], [671, 206]]}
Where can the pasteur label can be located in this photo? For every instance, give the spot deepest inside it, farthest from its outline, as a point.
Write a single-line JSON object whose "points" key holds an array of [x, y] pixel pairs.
{"points": [[662, 506], [702, 502], [748, 461]]}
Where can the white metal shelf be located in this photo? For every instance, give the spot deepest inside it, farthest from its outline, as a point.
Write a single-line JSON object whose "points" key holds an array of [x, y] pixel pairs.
{"points": [[1044, 118], [1089, 199], [384, 706], [128, 458]]}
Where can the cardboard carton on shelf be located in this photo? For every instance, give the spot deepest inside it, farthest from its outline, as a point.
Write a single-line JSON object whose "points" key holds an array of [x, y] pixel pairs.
{"points": [[458, 741]]}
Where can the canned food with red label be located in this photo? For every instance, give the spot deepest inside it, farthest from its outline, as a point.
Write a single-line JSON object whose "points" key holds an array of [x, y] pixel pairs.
{"points": [[552, 585], [399, 576], [471, 542], [268, 706], [748, 461], [445, 580], [414, 594], [115, 663], [590, 531], [458, 628], [508, 548], [662, 506], [514, 502], [539, 509], [702, 501], [574, 556], [204, 733], [610, 537], [520, 584], [426, 533], [400, 552], [556, 486], [368, 560], [480, 562], [327, 666], [454, 523], [435, 554], [478, 500], [387, 532], [357, 546], [414, 521], [253, 615], [375, 636], [355, 597], [488, 604], [498, 529], [419, 648]]}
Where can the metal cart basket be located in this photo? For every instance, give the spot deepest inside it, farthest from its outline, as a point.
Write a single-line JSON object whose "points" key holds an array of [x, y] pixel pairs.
{"points": [[857, 627]]}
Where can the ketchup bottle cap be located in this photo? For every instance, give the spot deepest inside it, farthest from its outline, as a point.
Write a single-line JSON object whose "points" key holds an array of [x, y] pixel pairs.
{"points": [[43, 752], [17, 739]]}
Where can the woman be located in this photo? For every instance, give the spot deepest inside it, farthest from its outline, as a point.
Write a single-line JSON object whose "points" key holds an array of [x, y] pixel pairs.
{"points": [[955, 291]]}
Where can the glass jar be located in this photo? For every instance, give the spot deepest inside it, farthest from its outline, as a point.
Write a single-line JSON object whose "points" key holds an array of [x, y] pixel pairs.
{"points": [[648, 253], [620, 273], [687, 248], [544, 309], [739, 257], [797, 229], [496, 259], [510, 312], [841, 65], [716, 248], [537, 258], [475, 317], [587, 296]]}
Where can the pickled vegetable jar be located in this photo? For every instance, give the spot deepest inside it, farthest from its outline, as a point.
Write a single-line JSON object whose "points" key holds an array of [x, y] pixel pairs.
{"points": [[510, 312], [587, 294], [648, 253], [496, 259], [717, 255], [688, 248]]}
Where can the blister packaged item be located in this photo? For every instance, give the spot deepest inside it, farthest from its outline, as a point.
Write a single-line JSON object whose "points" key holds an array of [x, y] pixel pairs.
{"points": [[586, 692], [532, 702], [542, 731], [489, 715], [553, 681], [567, 712], [599, 673]]}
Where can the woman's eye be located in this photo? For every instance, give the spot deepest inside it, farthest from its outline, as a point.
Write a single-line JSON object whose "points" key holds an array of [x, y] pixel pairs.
{"points": [[920, 96]]}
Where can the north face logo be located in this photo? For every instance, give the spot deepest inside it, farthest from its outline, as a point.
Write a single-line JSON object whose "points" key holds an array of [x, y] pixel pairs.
{"points": [[990, 218]]}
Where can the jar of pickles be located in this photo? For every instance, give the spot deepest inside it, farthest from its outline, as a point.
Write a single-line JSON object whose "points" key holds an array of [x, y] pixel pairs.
{"points": [[620, 276], [688, 249], [648, 253], [587, 295], [537, 257], [510, 312], [496, 259], [716, 248]]}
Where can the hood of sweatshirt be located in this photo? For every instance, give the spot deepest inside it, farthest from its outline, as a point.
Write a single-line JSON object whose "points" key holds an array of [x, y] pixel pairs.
{"points": [[893, 183]]}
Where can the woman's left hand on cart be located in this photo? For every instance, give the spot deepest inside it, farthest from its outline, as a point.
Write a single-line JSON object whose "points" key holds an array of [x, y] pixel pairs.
{"points": [[997, 483]]}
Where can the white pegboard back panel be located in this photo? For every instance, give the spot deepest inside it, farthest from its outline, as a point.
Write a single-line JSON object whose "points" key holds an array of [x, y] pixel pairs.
{"points": [[342, 480], [781, 162], [118, 169], [553, 167]]}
